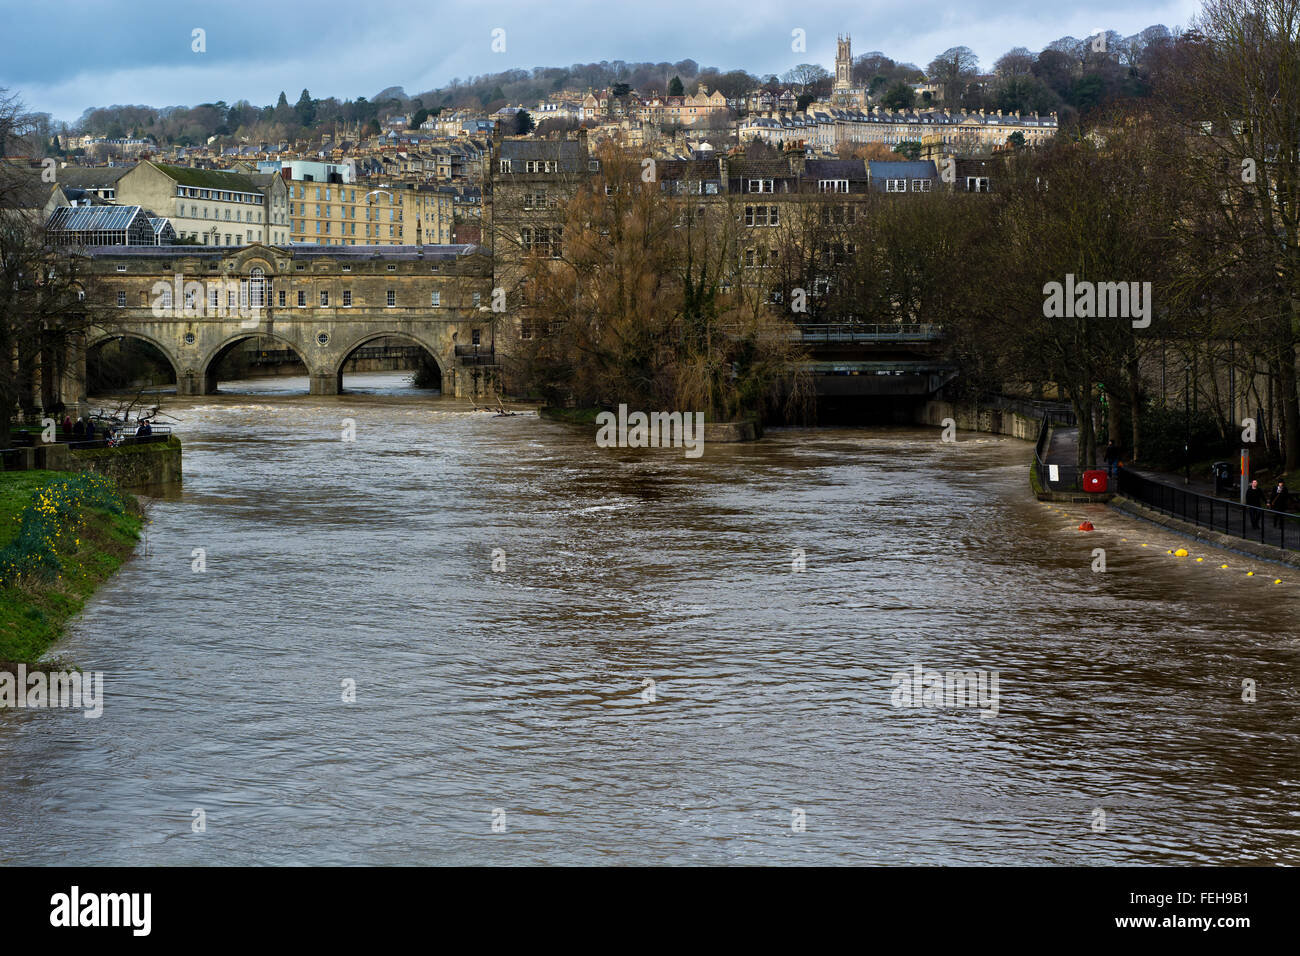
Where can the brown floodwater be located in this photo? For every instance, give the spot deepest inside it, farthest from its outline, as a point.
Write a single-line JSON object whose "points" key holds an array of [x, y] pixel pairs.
{"points": [[519, 696]]}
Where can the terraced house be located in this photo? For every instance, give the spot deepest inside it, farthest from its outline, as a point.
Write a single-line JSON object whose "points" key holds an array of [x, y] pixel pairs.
{"points": [[210, 207]]}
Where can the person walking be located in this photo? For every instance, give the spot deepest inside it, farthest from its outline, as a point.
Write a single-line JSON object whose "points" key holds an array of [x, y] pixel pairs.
{"points": [[1112, 459], [90, 430], [1279, 501], [1254, 501]]}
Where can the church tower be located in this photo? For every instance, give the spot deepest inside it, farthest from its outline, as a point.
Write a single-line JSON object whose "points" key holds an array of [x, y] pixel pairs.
{"points": [[843, 64]]}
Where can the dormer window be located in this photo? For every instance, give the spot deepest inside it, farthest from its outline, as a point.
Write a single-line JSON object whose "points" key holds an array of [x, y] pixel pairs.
{"points": [[760, 186]]}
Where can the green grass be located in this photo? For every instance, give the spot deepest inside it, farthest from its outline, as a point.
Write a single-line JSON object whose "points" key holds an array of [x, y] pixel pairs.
{"points": [[90, 543]]}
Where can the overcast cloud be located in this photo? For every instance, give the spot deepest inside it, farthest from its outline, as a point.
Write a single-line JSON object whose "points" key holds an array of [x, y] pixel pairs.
{"points": [[65, 56]]}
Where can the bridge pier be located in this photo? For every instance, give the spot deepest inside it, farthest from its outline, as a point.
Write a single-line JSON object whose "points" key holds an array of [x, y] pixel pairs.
{"points": [[325, 383]]}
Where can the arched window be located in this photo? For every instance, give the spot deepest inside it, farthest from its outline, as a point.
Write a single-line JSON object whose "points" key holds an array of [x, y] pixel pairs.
{"points": [[257, 288]]}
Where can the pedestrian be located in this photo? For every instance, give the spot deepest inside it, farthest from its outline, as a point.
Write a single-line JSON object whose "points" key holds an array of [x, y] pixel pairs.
{"points": [[144, 429], [90, 430], [1280, 501], [1254, 501], [1112, 459], [79, 430], [67, 425]]}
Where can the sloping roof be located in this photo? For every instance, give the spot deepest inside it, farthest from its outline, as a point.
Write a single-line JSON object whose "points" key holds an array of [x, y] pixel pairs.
{"points": [[760, 169], [92, 218], [208, 178], [571, 154], [852, 169], [888, 169], [92, 176]]}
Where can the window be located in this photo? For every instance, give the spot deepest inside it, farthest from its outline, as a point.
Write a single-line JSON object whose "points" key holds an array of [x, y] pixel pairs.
{"points": [[977, 184], [760, 186], [347, 268], [121, 268], [505, 166], [895, 185], [121, 300], [282, 294], [257, 288], [392, 268], [833, 186], [347, 298], [324, 298], [392, 298], [920, 185], [478, 297], [761, 216], [435, 299], [302, 300]]}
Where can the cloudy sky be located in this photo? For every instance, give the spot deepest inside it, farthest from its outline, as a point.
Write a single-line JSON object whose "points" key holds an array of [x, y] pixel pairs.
{"points": [[64, 56]]}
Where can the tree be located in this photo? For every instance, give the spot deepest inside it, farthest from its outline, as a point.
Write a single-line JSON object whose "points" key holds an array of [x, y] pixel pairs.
{"points": [[675, 87], [900, 96], [911, 149], [48, 296], [305, 108], [953, 69], [806, 74], [642, 305], [1017, 61], [523, 123]]}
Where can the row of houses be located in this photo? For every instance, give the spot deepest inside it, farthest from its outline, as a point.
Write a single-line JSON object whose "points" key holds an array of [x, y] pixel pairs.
{"points": [[833, 129]]}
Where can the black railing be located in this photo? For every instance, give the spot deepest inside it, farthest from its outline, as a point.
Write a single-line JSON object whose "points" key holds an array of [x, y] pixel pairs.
{"points": [[1277, 528], [117, 441]]}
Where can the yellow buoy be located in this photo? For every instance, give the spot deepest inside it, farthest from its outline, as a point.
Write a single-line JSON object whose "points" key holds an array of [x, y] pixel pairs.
{"points": [[1200, 559], [1180, 553], [1223, 566], [1250, 574], [1278, 581]]}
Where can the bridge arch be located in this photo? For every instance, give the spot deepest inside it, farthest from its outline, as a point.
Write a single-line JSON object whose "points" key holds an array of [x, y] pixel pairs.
{"points": [[206, 374], [97, 340], [346, 352]]}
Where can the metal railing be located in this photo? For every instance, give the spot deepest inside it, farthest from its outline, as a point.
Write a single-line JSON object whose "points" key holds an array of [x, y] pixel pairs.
{"points": [[1281, 529], [880, 332], [116, 441]]}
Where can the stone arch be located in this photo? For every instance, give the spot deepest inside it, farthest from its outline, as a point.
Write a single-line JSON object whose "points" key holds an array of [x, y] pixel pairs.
{"points": [[103, 337], [360, 341], [205, 373]]}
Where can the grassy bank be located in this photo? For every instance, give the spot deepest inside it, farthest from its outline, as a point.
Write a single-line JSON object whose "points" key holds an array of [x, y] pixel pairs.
{"points": [[61, 535]]}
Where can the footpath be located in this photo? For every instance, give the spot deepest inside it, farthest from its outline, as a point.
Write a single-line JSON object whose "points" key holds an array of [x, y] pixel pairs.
{"points": [[1192, 507]]}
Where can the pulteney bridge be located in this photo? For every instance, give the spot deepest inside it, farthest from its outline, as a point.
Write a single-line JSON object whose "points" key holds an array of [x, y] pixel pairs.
{"points": [[195, 304]]}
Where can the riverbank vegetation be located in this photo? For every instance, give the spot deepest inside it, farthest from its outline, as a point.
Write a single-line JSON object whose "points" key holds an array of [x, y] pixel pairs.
{"points": [[61, 536], [633, 300]]}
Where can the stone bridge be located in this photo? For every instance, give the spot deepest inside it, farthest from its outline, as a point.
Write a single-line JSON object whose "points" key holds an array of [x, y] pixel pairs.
{"points": [[195, 304]]}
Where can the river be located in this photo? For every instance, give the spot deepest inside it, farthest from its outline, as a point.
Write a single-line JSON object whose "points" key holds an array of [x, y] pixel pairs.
{"points": [[519, 696]]}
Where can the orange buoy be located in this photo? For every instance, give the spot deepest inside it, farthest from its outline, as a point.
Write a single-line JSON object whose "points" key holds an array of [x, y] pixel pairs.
{"points": [[1087, 526]]}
